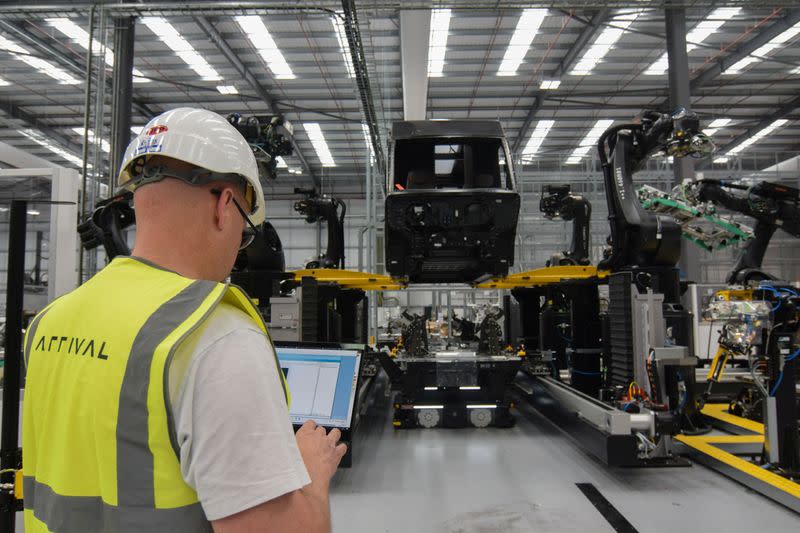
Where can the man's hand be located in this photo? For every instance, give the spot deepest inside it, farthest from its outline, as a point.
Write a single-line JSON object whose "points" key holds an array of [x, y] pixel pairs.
{"points": [[321, 452], [306, 510]]}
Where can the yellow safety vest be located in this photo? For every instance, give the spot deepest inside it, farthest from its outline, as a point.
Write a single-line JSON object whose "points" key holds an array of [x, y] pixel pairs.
{"points": [[99, 446]]}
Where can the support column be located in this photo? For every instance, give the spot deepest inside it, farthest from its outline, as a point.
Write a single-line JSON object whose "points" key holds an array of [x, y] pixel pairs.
{"points": [[62, 263], [124, 33], [414, 39], [680, 97], [15, 284]]}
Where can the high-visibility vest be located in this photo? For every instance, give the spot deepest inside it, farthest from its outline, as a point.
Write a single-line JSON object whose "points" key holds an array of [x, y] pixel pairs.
{"points": [[99, 447]]}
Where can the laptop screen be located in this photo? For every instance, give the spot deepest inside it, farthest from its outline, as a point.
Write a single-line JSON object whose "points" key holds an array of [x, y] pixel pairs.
{"points": [[322, 383]]}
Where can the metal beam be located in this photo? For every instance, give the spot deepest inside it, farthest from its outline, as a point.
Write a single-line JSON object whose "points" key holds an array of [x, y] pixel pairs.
{"points": [[362, 78], [789, 165], [50, 52], [121, 98], [790, 18], [679, 91], [226, 50], [680, 97], [587, 33], [415, 28], [781, 112], [14, 112], [538, 101], [13, 156]]}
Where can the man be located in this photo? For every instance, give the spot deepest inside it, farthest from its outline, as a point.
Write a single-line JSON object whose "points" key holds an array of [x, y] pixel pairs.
{"points": [[154, 401]]}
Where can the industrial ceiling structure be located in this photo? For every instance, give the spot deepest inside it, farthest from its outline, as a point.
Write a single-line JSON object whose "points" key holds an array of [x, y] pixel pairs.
{"points": [[555, 74]]}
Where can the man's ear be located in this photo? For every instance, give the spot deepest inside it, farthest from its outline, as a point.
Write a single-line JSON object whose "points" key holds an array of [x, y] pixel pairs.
{"points": [[222, 213]]}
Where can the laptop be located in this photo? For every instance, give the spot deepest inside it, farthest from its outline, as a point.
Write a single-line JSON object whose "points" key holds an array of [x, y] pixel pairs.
{"points": [[323, 382]]}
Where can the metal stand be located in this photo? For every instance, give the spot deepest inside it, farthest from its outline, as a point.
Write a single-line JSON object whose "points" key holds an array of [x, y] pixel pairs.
{"points": [[10, 453], [603, 431]]}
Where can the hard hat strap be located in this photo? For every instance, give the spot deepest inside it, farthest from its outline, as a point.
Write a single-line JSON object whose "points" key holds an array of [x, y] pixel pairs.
{"points": [[144, 174]]}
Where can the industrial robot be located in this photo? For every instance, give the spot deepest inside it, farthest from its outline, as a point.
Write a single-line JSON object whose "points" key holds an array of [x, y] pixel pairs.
{"points": [[649, 344], [558, 202], [555, 331], [332, 211], [631, 377], [772, 205]]}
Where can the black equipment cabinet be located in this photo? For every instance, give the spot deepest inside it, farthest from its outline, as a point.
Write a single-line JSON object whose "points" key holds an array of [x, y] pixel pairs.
{"points": [[330, 313], [567, 327]]}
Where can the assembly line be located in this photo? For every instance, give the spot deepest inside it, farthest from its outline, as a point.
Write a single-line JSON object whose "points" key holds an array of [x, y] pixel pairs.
{"points": [[455, 334]]}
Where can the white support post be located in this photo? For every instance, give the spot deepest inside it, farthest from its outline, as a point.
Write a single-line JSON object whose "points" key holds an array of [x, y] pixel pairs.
{"points": [[62, 266], [414, 39]]}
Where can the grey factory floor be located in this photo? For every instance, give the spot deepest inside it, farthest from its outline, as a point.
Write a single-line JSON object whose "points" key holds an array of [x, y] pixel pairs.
{"points": [[524, 479]]}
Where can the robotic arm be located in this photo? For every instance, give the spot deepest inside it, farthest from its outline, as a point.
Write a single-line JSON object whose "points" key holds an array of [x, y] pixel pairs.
{"points": [[316, 209], [558, 202], [268, 136], [638, 237], [107, 224], [772, 205]]}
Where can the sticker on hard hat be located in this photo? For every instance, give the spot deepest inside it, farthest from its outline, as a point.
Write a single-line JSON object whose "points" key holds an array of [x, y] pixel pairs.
{"points": [[155, 130], [151, 145]]}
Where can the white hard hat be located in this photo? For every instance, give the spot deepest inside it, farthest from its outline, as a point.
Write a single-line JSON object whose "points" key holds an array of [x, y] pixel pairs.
{"points": [[201, 138]]}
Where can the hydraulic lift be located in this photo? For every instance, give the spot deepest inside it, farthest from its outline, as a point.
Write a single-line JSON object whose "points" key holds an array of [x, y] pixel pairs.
{"points": [[451, 217]]}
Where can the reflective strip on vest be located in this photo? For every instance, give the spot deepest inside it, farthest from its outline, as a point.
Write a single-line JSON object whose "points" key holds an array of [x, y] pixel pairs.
{"points": [[88, 514], [30, 333], [134, 461]]}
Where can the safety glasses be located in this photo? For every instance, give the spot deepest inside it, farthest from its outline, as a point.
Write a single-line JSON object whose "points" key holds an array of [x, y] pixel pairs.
{"points": [[249, 231]]}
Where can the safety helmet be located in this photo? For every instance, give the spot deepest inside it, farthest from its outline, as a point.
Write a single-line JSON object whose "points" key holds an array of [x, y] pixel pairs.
{"points": [[201, 138]]}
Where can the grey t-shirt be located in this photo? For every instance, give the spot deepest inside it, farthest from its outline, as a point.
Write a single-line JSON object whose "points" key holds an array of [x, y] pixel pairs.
{"points": [[237, 445]]}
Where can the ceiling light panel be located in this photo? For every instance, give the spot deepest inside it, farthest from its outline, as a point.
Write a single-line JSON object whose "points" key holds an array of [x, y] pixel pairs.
{"points": [[715, 125], [253, 26], [760, 54], [437, 42], [103, 143], [227, 89], [757, 137], [550, 85], [40, 139], [541, 130], [318, 142], [699, 33], [167, 33], [589, 141], [45, 67], [527, 27], [604, 43], [344, 47], [81, 37]]}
